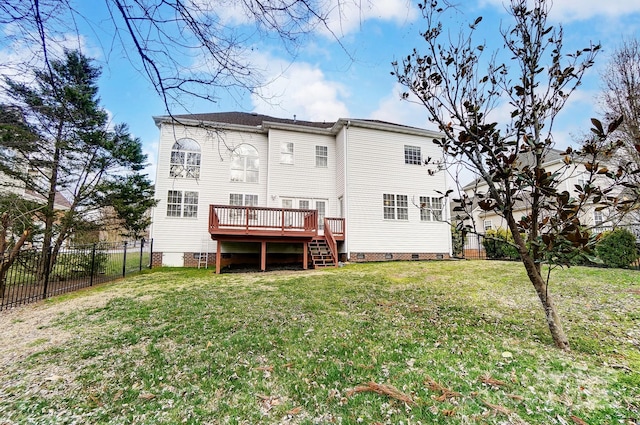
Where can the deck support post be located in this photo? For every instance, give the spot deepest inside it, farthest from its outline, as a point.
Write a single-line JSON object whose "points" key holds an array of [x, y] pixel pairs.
{"points": [[218, 256], [263, 256], [305, 255]]}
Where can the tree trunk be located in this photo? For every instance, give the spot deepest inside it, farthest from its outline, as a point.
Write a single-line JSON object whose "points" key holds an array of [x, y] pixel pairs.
{"points": [[540, 285]]}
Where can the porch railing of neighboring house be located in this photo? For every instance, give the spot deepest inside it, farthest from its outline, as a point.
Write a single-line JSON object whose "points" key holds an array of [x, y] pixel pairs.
{"points": [[29, 278], [248, 220], [333, 228]]}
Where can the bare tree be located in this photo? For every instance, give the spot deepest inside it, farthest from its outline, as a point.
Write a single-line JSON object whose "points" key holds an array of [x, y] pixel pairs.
{"points": [[184, 47], [621, 98], [461, 88]]}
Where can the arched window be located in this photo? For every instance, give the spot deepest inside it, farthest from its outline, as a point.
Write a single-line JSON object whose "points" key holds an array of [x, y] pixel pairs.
{"points": [[185, 159], [244, 164]]}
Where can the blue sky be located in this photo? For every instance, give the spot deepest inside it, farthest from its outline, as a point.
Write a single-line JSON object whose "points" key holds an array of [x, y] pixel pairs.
{"points": [[327, 80]]}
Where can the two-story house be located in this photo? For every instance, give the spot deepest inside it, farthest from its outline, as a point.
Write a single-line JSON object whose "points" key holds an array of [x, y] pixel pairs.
{"points": [[569, 176], [247, 188]]}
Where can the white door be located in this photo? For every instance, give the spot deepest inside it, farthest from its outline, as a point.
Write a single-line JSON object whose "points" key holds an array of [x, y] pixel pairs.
{"points": [[321, 206]]}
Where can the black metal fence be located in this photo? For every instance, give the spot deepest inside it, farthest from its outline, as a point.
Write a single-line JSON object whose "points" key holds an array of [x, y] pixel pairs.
{"points": [[31, 277]]}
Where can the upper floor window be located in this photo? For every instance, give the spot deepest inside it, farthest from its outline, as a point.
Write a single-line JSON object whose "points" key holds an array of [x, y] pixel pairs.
{"points": [[598, 218], [430, 208], [286, 153], [488, 225], [182, 204], [321, 156], [185, 159], [412, 155], [395, 207], [245, 164]]}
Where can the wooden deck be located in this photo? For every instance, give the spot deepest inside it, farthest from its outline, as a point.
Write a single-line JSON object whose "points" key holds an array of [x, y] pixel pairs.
{"points": [[229, 223]]}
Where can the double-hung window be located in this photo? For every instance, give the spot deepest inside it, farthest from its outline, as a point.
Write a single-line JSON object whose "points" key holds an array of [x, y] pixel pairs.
{"points": [[395, 207], [286, 153], [321, 156], [430, 208], [182, 204], [412, 155]]}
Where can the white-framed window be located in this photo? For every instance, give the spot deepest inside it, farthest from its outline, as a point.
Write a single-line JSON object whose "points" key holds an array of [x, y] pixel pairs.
{"points": [[488, 225], [430, 208], [395, 207], [598, 219], [286, 153], [412, 155], [245, 164], [182, 204], [304, 204], [287, 203], [185, 159], [242, 199], [322, 156], [582, 180]]}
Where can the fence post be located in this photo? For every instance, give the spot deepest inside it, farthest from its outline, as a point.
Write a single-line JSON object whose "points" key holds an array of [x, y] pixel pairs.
{"points": [[93, 263], [47, 271], [151, 254], [124, 260], [141, 249]]}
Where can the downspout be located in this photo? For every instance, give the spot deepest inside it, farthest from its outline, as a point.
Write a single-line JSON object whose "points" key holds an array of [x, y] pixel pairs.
{"points": [[267, 189], [346, 200]]}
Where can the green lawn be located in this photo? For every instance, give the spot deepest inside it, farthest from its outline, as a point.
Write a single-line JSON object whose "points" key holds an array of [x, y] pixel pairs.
{"points": [[389, 343]]}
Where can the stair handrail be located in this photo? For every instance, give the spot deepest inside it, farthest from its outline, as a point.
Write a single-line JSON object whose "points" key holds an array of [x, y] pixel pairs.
{"points": [[331, 242]]}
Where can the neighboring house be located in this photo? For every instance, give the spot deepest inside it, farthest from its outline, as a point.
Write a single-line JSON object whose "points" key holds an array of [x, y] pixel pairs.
{"points": [[570, 176], [245, 186]]}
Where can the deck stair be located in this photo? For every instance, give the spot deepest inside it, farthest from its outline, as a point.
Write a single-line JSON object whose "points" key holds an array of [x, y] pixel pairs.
{"points": [[320, 254]]}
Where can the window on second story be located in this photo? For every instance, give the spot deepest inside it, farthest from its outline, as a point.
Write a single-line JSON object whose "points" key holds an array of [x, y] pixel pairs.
{"points": [[245, 164], [598, 218], [395, 207], [185, 159], [321, 156], [488, 225], [412, 155], [182, 204], [286, 153], [430, 208]]}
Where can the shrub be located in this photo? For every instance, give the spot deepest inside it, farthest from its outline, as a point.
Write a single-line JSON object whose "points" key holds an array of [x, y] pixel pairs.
{"points": [[617, 248], [498, 244], [457, 239]]}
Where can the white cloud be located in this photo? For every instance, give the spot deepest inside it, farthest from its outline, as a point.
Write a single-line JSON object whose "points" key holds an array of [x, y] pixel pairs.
{"points": [[347, 16], [343, 16], [300, 89], [406, 112], [576, 10]]}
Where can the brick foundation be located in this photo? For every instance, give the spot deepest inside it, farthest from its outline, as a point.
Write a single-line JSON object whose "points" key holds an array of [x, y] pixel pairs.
{"points": [[191, 259], [363, 257], [156, 259]]}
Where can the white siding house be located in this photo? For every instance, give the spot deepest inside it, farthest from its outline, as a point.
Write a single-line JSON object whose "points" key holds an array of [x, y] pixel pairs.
{"points": [[368, 175]]}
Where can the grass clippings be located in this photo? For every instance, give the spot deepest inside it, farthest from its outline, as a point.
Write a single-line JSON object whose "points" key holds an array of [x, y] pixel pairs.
{"points": [[191, 347]]}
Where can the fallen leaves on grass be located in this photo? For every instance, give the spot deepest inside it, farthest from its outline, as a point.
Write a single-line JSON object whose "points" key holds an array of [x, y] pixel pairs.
{"points": [[445, 392], [147, 396], [268, 402], [382, 389]]}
